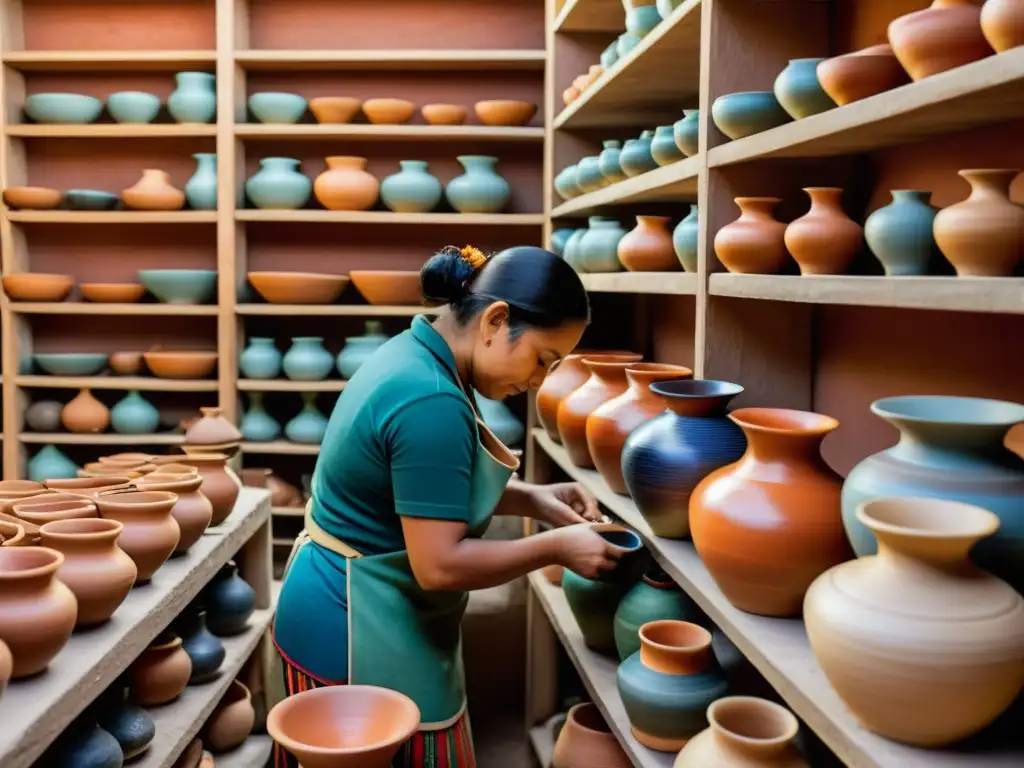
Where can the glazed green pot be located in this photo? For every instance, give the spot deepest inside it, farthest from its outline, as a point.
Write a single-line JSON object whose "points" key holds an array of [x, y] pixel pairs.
{"points": [[636, 157], [90, 200], [307, 360], [663, 146], [593, 603], [558, 240], [588, 175], [201, 188], [180, 286], [310, 425], [257, 425], [598, 248], [653, 598], [667, 7], [412, 190], [798, 90], [610, 55], [49, 463], [608, 162], [275, 107], [739, 115], [279, 185], [134, 415], [480, 189], [640, 20], [133, 107], [626, 42], [195, 98], [684, 240], [358, 349], [571, 252], [565, 183], [687, 132], [260, 359], [900, 234]]}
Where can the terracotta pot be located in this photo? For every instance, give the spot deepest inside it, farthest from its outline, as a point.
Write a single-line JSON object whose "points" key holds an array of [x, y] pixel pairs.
{"points": [[941, 37], [6, 665], [346, 185], [334, 109], [96, 469], [212, 432], [388, 111], [126, 363], [85, 414], [154, 192], [754, 244], [37, 611], [771, 523], [232, 720], [570, 94], [388, 287], [52, 507], [180, 364], [95, 569], [564, 378], [112, 293], [11, 534], [983, 236], [134, 458], [192, 511], [1002, 23], [89, 486], [36, 286], [444, 114], [654, 598], [937, 644], [220, 483], [861, 74], [824, 241], [607, 380], [32, 198], [744, 732], [499, 112], [161, 672], [150, 534], [648, 247], [611, 423], [298, 287], [586, 741]]}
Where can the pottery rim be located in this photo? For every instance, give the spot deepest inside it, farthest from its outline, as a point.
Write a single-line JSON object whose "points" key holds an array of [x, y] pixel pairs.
{"points": [[28, 563], [38, 509], [927, 518], [683, 388], [165, 641], [600, 528], [675, 635], [784, 421], [741, 719], [959, 410], [83, 529], [11, 534]]}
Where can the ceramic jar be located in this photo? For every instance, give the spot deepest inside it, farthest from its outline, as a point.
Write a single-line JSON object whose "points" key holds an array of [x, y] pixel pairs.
{"points": [[150, 534], [861, 74], [359, 349], [1002, 23], [636, 157], [667, 7], [598, 248], [572, 249], [648, 247], [943, 36], [900, 234], [744, 732], [608, 426], [641, 19], [346, 185], [204, 650], [309, 426], [664, 458], [771, 523], [279, 185], [95, 568], [257, 425], [220, 484], [84, 745], [134, 415], [939, 642], [824, 241], [48, 462], [37, 610], [588, 174], [260, 359], [44, 416], [743, 114], [686, 132], [412, 190], [232, 720], [153, 192], [625, 43], [565, 183], [194, 100], [593, 603], [480, 189], [586, 741], [85, 414], [667, 686], [610, 55], [950, 448], [201, 188], [608, 162], [983, 236], [558, 240], [607, 380], [127, 722], [663, 146], [755, 243], [684, 240], [307, 360], [229, 602], [134, 107], [798, 90], [191, 511], [161, 672], [212, 431], [500, 420], [653, 598], [566, 377]]}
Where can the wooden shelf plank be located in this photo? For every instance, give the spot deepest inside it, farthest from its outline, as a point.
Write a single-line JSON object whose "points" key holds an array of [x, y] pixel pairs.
{"points": [[54, 61], [110, 131], [101, 308], [145, 383], [255, 752], [961, 294], [674, 283], [281, 448], [106, 438], [316, 310], [591, 16], [361, 132], [113, 217], [387, 217], [391, 59], [285, 385], [652, 82], [36, 710], [779, 649], [288, 511], [980, 93], [677, 181]]}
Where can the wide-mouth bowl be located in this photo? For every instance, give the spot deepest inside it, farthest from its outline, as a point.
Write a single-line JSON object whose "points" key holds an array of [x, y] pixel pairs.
{"points": [[71, 363], [63, 107], [753, 721], [33, 198], [587, 717], [87, 528], [505, 112], [927, 518], [87, 484], [126, 293], [277, 97], [683, 388], [180, 364], [673, 635], [179, 284], [38, 286], [950, 409]]}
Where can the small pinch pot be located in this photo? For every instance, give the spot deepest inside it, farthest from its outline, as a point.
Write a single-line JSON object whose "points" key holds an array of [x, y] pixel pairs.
{"points": [[150, 533], [633, 557], [71, 363], [37, 286], [181, 364], [135, 107], [161, 672], [298, 287], [334, 109], [91, 200], [63, 108], [32, 198], [232, 721], [504, 112], [112, 293], [388, 111], [444, 114], [126, 363], [67, 507], [739, 115], [89, 486], [387, 287], [180, 286]]}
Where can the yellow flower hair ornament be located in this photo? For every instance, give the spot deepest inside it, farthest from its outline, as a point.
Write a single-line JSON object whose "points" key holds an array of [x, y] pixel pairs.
{"points": [[473, 256]]}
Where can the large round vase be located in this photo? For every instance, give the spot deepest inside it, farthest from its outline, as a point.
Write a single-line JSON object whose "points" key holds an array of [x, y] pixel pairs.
{"points": [[412, 190], [598, 248], [134, 415], [1002, 22], [900, 234], [588, 174], [220, 483], [346, 185], [586, 741], [568, 376], [565, 183], [607, 380], [798, 90], [755, 242], [665, 458], [861, 74], [921, 645], [279, 184], [684, 239], [941, 37], [49, 462], [648, 246], [480, 189], [744, 732], [594, 603], [572, 248], [257, 425], [653, 598], [824, 241]]}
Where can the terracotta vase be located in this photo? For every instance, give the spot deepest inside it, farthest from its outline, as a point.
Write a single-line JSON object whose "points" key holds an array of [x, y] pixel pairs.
{"points": [[824, 241], [150, 534], [648, 247], [564, 378], [921, 645], [943, 36], [212, 432], [95, 568], [256, 477], [771, 523], [192, 511], [37, 611], [654, 598], [744, 732], [154, 192], [858, 75], [51, 507], [346, 185], [611, 423], [85, 414], [220, 483], [161, 672], [983, 236], [586, 741], [754, 244], [607, 380], [232, 720], [1002, 23]]}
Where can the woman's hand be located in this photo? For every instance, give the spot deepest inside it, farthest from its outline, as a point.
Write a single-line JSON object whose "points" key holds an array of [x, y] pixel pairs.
{"points": [[582, 550], [563, 504]]}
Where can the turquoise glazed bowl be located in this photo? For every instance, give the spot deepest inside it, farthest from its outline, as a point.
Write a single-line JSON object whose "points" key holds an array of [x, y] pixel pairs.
{"points": [[739, 115], [90, 200], [64, 108], [274, 107], [180, 286], [71, 363], [133, 106]]}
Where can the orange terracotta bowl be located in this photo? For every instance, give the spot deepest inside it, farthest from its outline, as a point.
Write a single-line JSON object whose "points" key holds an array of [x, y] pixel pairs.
{"points": [[334, 109], [505, 112], [388, 287], [37, 286], [112, 293], [444, 114], [33, 198], [126, 363], [180, 364], [388, 111], [298, 287]]}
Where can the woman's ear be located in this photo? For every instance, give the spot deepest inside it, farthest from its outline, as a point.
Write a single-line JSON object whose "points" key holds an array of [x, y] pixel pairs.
{"points": [[492, 320]]}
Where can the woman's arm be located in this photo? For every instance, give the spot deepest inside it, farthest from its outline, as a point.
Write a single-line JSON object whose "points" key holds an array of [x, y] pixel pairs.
{"points": [[556, 505], [518, 500]]}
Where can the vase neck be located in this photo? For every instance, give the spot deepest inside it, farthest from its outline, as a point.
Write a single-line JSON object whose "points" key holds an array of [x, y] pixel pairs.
{"points": [[92, 544], [261, 341], [694, 212], [477, 162], [336, 162], [411, 165], [987, 183], [691, 113], [757, 207], [279, 163], [945, 445], [308, 340], [830, 198], [652, 222], [155, 174], [911, 196], [612, 144], [681, 655], [641, 375], [373, 328], [205, 159], [608, 373], [194, 78], [782, 435]]}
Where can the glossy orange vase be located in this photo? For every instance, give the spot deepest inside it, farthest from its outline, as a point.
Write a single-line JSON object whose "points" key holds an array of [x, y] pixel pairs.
{"points": [[824, 241], [941, 37], [1002, 22], [346, 185], [648, 246], [607, 380], [771, 523], [753, 244], [568, 376], [611, 423]]}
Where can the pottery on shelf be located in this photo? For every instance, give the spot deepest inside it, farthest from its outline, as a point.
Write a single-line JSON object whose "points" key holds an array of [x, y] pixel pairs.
{"points": [[260, 359], [49, 462], [335, 109], [900, 234], [153, 192], [861, 74], [32, 198], [799, 91], [212, 432], [85, 414], [277, 107], [112, 293], [161, 672], [744, 732], [126, 363], [586, 741], [191, 511], [83, 744], [388, 286], [610, 55], [636, 158], [201, 188], [388, 111], [599, 246], [480, 189], [180, 286], [686, 132], [641, 19], [505, 112], [88, 486], [565, 378], [444, 114], [755, 242], [588, 174], [229, 602], [309, 426], [150, 534], [653, 598], [307, 360], [648, 246], [194, 100], [134, 415], [825, 241], [90, 200], [684, 239], [571, 251], [232, 720], [570, 94], [1002, 23], [257, 425], [6, 665], [412, 190], [632, 557], [180, 363], [220, 484], [298, 287], [346, 185], [127, 722], [739, 115], [593, 604], [71, 363], [625, 43], [663, 146], [559, 238], [49, 507], [565, 183], [941, 37], [192, 756], [359, 349], [63, 108], [608, 162], [279, 185], [204, 650]]}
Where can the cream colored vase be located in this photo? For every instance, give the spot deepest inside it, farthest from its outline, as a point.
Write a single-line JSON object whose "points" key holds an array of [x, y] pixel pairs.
{"points": [[744, 732]]}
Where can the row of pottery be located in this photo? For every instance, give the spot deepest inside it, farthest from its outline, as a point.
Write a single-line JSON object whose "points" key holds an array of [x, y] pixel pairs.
{"points": [[85, 414], [307, 427], [168, 286], [279, 107], [306, 359], [605, 245], [981, 236], [161, 362], [346, 185]]}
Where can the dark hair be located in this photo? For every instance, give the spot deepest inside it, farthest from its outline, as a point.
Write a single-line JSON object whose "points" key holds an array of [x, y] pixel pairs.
{"points": [[541, 290]]}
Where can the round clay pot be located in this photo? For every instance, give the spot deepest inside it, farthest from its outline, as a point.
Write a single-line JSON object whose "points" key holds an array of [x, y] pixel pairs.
{"points": [[983, 236], [112, 293], [37, 611], [561, 380], [180, 364], [154, 192], [150, 534], [220, 484], [653, 598], [282, 494], [212, 432], [126, 363], [204, 650], [771, 523], [32, 198], [586, 741], [824, 241], [648, 247], [334, 109], [88, 486], [52, 507], [754, 244], [6, 665], [346, 185], [444, 114], [298, 287], [505, 112], [858, 75], [1002, 23], [744, 732], [192, 511], [939, 643], [611, 423], [232, 720], [85, 414], [941, 37], [388, 287], [37, 286], [388, 111], [95, 569], [161, 672]]}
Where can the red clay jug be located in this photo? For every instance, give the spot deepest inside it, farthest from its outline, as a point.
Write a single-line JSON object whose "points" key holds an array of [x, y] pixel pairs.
{"points": [[607, 380]]}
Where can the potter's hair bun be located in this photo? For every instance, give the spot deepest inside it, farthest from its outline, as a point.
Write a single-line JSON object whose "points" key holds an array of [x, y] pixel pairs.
{"points": [[445, 278]]}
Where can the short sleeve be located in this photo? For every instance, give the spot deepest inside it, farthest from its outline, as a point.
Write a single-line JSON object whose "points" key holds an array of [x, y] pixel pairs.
{"points": [[430, 444]]}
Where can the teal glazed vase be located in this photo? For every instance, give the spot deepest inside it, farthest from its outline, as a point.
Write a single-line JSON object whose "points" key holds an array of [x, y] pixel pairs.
{"points": [[739, 115], [599, 246], [684, 239], [204, 649], [588, 174], [201, 188], [277, 107], [279, 185], [558, 240], [501, 421], [127, 722], [653, 598], [663, 146], [229, 602], [358, 349], [640, 20], [610, 55], [687, 132], [636, 157], [412, 190], [133, 107], [480, 189], [668, 685], [571, 252], [565, 183], [194, 100], [310, 425], [134, 415], [799, 91], [900, 234], [608, 162], [260, 359], [49, 463], [593, 604], [257, 425], [626, 42], [307, 360], [667, 7], [949, 448]]}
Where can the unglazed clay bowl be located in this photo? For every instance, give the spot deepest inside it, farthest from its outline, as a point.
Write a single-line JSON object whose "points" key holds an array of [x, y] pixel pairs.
{"points": [[71, 363], [388, 111], [344, 726], [37, 286], [298, 287], [334, 109], [63, 108], [182, 364], [126, 363], [504, 112], [112, 293], [33, 198], [739, 115], [859, 75], [180, 286], [273, 107], [385, 287], [444, 114], [633, 560], [91, 200]]}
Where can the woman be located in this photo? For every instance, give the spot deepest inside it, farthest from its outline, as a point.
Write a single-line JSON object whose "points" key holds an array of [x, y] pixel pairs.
{"points": [[407, 481]]}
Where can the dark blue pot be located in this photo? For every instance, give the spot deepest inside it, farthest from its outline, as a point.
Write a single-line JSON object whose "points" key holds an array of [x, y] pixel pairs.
{"points": [[229, 602], [634, 560], [201, 645], [84, 745], [129, 723]]}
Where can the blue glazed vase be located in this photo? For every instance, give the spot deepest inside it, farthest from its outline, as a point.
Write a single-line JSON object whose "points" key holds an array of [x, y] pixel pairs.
{"points": [[411, 190], [565, 183], [588, 174], [195, 98], [558, 240], [127, 722], [593, 604], [358, 349], [663, 146], [279, 185], [684, 239], [204, 649], [260, 359], [480, 189], [257, 425], [653, 598], [640, 20], [83, 744], [571, 252], [636, 157], [608, 162], [599, 246], [687, 132], [502, 422], [201, 189], [49, 463], [307, 360], [949, 448], [665, 458], [134, 415], [900, 234], [739, 115], [133, 107], [229, 602], [799, 91], [310, 425]]}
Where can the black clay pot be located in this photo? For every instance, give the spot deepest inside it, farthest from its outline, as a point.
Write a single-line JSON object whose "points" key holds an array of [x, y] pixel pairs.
{"points": [[229, 602], [204, 649]]}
